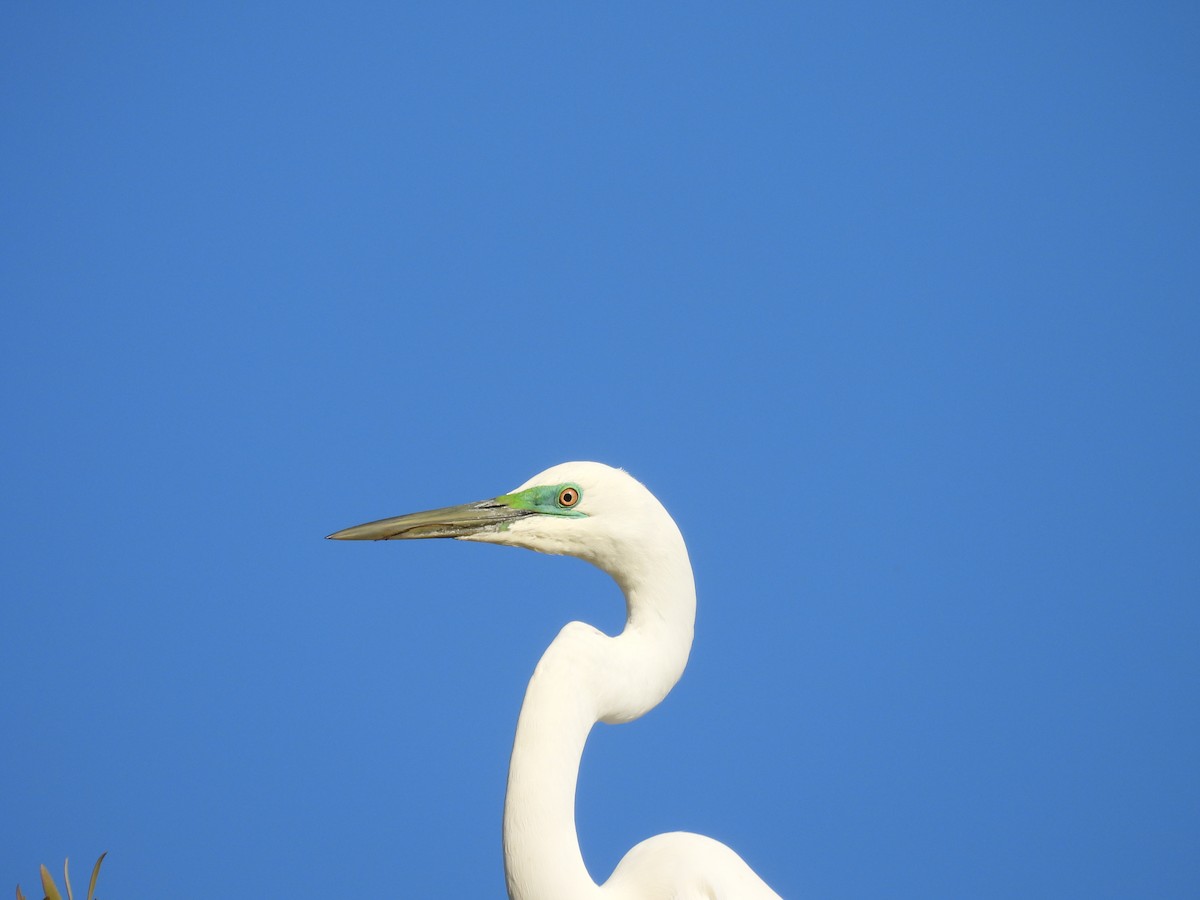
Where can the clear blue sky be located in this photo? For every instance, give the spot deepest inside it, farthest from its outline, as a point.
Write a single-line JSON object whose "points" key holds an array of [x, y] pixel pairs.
{"points": [[896, 309]]}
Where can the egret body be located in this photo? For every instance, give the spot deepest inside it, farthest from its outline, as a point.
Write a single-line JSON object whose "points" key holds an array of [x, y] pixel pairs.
{"points": [[602, 515]]}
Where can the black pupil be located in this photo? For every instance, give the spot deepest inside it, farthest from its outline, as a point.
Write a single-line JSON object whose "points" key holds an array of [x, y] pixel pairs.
{"points": [[567, 497]]}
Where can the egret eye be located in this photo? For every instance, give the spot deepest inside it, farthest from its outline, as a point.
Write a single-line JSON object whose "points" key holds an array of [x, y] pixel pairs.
{"points": [[568, 497]]}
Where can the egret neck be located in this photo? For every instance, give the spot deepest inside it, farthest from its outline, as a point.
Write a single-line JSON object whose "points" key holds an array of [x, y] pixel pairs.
{"points": [[584, 677]]}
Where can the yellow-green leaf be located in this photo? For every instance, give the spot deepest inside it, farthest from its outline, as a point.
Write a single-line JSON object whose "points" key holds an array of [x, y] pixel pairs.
{"points": [[49, 886], [95, 875]]}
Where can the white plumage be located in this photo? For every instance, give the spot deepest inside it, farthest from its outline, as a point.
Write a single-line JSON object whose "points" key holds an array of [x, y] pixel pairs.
{"points": [[602, 515]]}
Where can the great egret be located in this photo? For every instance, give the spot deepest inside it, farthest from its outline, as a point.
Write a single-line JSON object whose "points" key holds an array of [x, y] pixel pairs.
{"points": [[602, 515]]}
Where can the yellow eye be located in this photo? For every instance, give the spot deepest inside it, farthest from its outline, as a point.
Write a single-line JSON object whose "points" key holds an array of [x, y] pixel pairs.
{"points": [[568, 497]]}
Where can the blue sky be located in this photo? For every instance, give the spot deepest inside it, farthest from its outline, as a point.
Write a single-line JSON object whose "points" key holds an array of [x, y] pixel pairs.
{"points": [[894, 308]]}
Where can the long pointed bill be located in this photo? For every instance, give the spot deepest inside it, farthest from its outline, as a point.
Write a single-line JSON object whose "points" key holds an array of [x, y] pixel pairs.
{"points": [[451, 522]]}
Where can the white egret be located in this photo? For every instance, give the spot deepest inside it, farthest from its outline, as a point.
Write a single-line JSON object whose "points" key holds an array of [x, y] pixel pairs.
{"points": [[602, 515]]}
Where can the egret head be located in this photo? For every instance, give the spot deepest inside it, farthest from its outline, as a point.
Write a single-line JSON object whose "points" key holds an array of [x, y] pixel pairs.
{"points": [[583, 509]]}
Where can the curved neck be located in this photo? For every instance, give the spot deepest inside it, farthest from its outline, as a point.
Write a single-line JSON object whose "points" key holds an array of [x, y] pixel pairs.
{"points": [[586, 677]]}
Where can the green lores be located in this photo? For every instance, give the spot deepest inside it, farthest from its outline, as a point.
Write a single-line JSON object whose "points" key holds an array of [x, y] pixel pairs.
{"points": [[548, 499]]}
